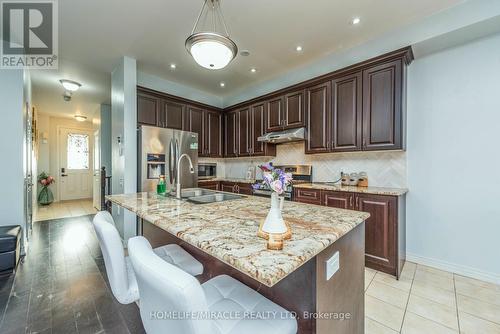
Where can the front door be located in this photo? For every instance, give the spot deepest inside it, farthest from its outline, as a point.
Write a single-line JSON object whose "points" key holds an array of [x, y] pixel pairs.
{"points": [[75, 164]]}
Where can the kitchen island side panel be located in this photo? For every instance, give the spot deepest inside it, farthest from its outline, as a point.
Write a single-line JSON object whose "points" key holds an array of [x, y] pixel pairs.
{"points": [[343, 294]]}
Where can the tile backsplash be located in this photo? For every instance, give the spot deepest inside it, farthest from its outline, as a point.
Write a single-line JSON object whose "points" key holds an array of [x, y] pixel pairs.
{"points": [[385, 169]]}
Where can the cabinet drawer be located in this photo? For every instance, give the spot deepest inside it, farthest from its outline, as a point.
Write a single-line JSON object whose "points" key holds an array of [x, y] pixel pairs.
{"points": [[228, 187], [312, 196], [337, 199], [209, 185]]}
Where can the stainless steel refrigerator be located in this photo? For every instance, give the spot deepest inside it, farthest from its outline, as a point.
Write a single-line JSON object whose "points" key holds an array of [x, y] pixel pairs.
{"points": [[159, 149]]}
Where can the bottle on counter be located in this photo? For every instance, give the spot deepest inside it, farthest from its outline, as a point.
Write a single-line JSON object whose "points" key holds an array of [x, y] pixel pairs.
{"points": [[345, 179], [161, 187], [363, 179]]}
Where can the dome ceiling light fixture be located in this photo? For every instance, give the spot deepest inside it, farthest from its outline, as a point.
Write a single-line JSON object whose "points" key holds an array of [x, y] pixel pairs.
{"points": [[80, 118], [211, 49], [70, 85]]}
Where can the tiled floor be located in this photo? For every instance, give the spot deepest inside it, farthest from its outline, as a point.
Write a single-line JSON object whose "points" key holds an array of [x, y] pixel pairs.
{"points": [[61, 287], [427, 300], [64, 209]]}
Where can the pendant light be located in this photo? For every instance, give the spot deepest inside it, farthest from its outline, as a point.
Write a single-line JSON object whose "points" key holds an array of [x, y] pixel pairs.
{"points": [[211, 49]]}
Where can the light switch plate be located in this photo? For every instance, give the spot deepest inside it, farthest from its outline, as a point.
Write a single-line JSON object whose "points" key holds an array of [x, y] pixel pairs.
{"points": [[332, 265]]}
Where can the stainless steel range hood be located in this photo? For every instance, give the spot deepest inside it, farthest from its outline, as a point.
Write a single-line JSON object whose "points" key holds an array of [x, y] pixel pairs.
{"points": [[285, 136]]}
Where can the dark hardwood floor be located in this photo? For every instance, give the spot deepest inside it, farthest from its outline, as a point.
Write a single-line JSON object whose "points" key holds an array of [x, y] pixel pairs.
{"points": [[61, 285]]}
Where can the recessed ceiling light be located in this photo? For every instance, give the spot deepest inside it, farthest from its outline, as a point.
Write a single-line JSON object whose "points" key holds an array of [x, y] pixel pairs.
{"points": [[80, 118], [70, 85], [222, 84], [298, 48], [355, 20], [253, 70], [173, 66]]}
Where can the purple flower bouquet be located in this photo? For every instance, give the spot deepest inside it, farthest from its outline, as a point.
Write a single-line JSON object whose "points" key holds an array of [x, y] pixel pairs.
{"points": [[276, 179]]}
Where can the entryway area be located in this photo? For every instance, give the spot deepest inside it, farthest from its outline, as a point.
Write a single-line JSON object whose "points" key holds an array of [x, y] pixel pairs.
{"points": [[68, 164], [64, 209]]}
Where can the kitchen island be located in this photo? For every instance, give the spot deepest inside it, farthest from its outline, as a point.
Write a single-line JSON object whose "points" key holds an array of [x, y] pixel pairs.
{"points": [[222, 236]]}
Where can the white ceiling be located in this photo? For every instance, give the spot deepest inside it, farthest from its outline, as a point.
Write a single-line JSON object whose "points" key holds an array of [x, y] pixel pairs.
{"points": [[94, 34], [48, 91]]}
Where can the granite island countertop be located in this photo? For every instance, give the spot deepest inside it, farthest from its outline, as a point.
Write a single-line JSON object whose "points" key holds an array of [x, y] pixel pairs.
{"points": [[228, 230], [354, 189]]}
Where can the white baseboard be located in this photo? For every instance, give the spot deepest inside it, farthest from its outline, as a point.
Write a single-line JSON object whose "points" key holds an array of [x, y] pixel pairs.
{"points": [[455, 268]]}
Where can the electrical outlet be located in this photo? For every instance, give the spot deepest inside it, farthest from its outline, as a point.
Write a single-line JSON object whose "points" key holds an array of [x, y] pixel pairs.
{"points": [[332, 265]]}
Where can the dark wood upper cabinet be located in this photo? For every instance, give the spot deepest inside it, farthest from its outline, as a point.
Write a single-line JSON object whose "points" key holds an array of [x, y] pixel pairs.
{"points": [[258, 116], [380, 230], [275, 114], [358, 108], [382, 106], [347, 116], [244, 132], [208, 125], [294, 110], [231, 134], [258, 128], [147, 109], [285, 112], [171, 115], [318, 106], [213, 134], [196, 124]]}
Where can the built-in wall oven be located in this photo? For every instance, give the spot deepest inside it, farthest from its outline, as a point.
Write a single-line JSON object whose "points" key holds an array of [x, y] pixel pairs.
{"points": [[300, 174], [207, 171]]}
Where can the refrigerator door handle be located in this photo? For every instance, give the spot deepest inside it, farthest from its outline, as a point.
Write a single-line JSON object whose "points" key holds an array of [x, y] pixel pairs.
{"points": [[176, 158], [171, 161]]}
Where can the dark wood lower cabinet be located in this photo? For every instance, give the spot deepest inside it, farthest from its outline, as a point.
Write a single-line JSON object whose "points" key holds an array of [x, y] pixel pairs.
{"points": [[337, 199], [310, 196], [245, 188], [212, 185], [231, 187], [385, 235], [381, 236]]}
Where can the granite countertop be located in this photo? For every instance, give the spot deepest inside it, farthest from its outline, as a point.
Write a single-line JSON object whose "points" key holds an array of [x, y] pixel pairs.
{"points": [[228, 230], [228, 179], [354, 189]]}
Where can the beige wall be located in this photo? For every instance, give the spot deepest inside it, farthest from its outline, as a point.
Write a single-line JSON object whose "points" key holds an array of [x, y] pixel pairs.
{"points": [[47, 158]]}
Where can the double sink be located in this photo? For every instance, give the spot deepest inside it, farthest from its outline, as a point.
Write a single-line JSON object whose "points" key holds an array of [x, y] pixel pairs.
{"points": [[205, 196]]}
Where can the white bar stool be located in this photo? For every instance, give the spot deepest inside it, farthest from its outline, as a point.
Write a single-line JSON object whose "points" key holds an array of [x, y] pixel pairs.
{"points": [[118, 267], [173, 301]]}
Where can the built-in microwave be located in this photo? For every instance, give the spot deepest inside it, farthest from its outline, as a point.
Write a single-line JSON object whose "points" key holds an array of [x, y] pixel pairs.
{"points": [[207, 171]]}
